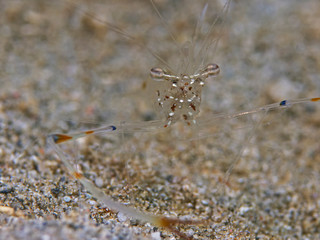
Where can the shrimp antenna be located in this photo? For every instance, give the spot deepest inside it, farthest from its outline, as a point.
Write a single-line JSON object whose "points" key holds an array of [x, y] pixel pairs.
{"points": [[121, 32]]}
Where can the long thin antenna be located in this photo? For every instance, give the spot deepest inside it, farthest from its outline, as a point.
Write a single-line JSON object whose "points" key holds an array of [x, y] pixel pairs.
{"points": [[121, 32], [153, 125], [164, 22], [204, 49]]}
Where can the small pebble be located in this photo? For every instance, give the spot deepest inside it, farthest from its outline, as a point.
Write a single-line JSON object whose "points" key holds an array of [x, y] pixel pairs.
{"points": [[190, 232], [243, 210], [205, 202], [99, 182], [156, 236], [121, 217], [67, 199]]}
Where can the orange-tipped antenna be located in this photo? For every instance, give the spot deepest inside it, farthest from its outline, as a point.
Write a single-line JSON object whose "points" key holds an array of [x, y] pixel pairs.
{"points": [[60, 138], [153, 125]]}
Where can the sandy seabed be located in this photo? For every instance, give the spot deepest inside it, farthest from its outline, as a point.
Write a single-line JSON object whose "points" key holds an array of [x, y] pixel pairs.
{"points": [[61, 69]]}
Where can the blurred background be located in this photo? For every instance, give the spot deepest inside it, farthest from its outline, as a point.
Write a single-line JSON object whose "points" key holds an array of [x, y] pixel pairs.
{"points": [[66, 66]]}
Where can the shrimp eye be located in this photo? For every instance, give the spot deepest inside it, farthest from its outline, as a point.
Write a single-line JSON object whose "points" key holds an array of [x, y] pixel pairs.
{"points": [[157, 74], [211, 70]]}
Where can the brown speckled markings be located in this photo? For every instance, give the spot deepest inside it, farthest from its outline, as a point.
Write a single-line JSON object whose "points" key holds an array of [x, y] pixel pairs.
{"points": [[180, 96], [177, 100], [57, 64]]}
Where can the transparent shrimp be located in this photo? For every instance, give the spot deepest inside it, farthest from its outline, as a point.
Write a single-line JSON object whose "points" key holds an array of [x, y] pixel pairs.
{"points": [[178, 99]]}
